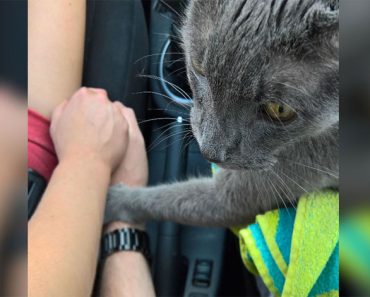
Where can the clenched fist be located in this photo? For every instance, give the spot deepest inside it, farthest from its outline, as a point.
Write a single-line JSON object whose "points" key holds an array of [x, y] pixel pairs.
{"points": [[90, 127]]}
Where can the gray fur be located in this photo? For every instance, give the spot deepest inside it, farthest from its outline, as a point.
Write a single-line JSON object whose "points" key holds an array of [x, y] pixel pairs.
{"points": [[252, 52]]}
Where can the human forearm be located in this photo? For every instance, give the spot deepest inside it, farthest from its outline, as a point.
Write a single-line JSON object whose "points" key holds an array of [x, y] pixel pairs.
{"points": [[56, 31], [73, 204], [126, 273]]}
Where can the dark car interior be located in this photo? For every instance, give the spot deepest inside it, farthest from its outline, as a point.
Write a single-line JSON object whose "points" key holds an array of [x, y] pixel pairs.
{"points": [[144, 68]]}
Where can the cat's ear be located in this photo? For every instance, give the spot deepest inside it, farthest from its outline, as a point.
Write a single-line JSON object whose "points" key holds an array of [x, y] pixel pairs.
{"points": [[324, 16]]}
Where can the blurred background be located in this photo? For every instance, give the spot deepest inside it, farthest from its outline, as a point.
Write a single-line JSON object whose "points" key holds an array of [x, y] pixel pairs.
{"points": [[355, 147], [13, 149]]}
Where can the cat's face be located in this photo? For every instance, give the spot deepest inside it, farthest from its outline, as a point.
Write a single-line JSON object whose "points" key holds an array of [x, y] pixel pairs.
{"points": [[264, 75]]}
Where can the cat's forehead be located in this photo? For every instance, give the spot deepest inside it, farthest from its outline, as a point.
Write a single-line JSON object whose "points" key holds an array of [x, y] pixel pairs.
{"points": [[248, 20]]}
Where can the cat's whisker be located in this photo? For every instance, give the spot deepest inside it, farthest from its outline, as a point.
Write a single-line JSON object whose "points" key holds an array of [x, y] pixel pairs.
{"points": [[185, 106], [167, 129], [167, 35], [268, 197], [190, 138], [318, 166], [181, 91], [156, 93], [259, 193], [156, 119], [157, 54], [296, 183], [170, 64], [167, 137], [165, 110], [282, 199], [186, 132], [327, 171], [169, 144], [273, 192], [171, 8], [179, 71], [291, 198], [163, 127]]}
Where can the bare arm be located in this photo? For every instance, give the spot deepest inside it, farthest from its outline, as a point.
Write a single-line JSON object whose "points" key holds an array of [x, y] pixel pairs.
{"points": [[64, 233], [231, 198], [90, 137], [56, 31], [127, 273]]}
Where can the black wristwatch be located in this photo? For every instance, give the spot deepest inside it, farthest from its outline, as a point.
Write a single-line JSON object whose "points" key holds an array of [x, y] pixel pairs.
{"points": [[125, 239]]}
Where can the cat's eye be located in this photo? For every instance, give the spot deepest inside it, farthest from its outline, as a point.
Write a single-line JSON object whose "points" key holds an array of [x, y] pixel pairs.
{"points": [[197, 67], [279, 112]]}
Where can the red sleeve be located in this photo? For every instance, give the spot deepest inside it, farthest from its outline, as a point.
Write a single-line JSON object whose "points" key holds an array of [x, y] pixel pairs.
{"points": [[41, 154]]}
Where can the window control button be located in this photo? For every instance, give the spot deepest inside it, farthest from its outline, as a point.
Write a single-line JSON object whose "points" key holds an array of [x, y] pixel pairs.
{"points": [[204, 268], [202, 273]]}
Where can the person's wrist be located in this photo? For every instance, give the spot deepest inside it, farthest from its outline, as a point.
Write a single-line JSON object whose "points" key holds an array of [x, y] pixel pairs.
{"points": [[89, 161], [120, 255]]}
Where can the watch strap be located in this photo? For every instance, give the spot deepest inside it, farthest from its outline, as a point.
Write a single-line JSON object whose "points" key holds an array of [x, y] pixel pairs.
{"points": [[125, 239]]}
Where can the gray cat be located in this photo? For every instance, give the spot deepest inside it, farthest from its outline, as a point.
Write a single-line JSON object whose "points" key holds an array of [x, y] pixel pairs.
{"points": [[265, 80]]}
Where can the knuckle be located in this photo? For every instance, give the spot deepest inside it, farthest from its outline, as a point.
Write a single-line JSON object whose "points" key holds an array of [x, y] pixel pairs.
{"points": [[138, 137], [82, 91], [102, 91], [125, 126], [130, 111], [103, 94], [118, 104]]}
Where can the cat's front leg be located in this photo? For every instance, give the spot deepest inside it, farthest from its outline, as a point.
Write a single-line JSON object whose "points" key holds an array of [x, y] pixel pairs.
{"points": [[227, 200], [186, 202]]}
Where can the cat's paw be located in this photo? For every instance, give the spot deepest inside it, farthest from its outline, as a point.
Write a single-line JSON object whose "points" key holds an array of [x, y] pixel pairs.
{"points": [[119, 208]]}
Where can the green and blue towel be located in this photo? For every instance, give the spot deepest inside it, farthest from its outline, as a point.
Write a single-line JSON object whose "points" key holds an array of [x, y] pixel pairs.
{"points": [[296, 250]]}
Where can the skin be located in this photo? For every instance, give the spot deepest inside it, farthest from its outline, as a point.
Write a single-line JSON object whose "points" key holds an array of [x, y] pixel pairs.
{"points": [[280, 52], [56, 243], [127, 273], [56, 43], [56, 31]]}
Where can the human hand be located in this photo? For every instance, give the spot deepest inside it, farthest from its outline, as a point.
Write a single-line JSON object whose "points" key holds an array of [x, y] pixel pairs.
{"points": [[90, 127], [133, 170]]}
